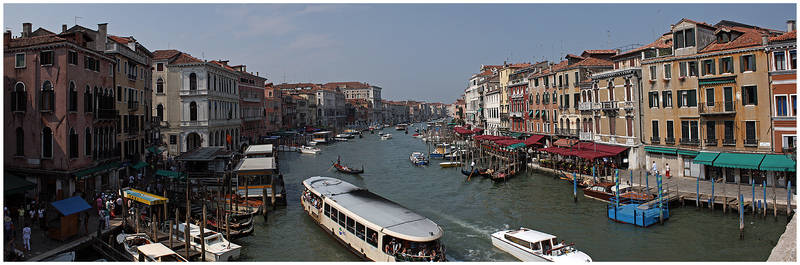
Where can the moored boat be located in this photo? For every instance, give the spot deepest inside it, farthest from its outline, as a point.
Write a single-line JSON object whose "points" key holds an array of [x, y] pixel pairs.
{"points": [[309, 150], [604, 191], [450, 164], [129, 243], [217, 247], [157, 252], [530, 245], [345, 169], [486, 173], [372, 227], [418, 159], [386, 136]]}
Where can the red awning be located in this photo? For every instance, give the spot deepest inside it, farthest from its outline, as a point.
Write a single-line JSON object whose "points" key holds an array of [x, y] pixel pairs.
{"points": [[558, 150], [565, 142], [534, 140], [591, 155], [507, 142], [477, 130], [612, 150], [462, 130]]}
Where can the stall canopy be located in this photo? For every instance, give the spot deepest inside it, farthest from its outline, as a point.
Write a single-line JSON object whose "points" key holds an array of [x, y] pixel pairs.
{"points": [[155, 150], [516, 146], [565, 142], [462, 130], [603, 148], [739, 160], [71, 205], [88, 172], [169, 174], [778, 163], [662, 150], [557, 150], [144, 197], [705, 158], [256, 166], [534, 140], [139, 165], [14, 185], [258, 149]]}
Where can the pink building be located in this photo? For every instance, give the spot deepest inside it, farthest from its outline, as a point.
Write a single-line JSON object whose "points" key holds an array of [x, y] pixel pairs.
{"points": [[59, 112], [251, 102], [273, 105]]}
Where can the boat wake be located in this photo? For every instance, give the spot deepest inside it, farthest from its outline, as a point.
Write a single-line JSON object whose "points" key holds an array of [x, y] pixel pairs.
{"points": [[479, 232]]}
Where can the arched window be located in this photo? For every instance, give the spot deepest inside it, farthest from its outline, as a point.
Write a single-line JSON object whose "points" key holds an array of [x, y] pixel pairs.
{"points": [[19, 98], [160, 112], [73, 143], [48, 96], [193, 111], [215, 83], [160, 85], [87, 142], [87, 100], [20, 142], [73, 97], [192, 81], [47, 143]]}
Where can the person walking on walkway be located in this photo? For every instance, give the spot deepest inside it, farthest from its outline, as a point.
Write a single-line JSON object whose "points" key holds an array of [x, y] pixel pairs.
{"points": [[26, 237], [654, 169], [666, 171], [21, 212]]}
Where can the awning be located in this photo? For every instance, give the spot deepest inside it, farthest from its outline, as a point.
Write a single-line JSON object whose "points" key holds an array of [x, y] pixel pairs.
{"points": [[739, 160], [87, 172], [591, 155], [71, 205], [516, 135], [14, 185], [155, 150], [565, 142], [705, 158], [663, 150], [687, 152], [557, 150], [610, 149], [169, 174], [139, 165], [778, 163], [534, 139], [144, 197], [516, 146], [717, 81]]}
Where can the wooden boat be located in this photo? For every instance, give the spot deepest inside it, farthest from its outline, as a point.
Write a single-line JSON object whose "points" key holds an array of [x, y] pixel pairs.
{"points": [[477, 172], [583, 184], [157, 252], [347, 170], [602, 191], [130, 242], [450, 164], [239, 228], [530, 245]]}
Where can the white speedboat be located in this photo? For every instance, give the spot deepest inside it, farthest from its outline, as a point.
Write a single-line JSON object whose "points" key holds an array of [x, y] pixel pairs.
{"points": [[157, 252], [345, 136], [386, 136], [340, 139], [309, 150], [380, 133], [217, 247], [530, 245], [418, 159], [130, 242], [312, 143]]}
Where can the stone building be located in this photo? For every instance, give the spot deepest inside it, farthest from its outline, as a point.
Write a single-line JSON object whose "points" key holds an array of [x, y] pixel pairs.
{"points": [[782, 57], [273, 106], [252, 104]]}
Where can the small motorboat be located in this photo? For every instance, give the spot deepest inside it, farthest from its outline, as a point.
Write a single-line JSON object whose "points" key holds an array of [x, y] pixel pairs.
{"points": [[380, 133], [530, 245], [418, 159], [450, 164], [416, 135], [157, 252], [217, 247], [130, 242], [340, 139], [309, 150], [386, 136], [604, 191], [312, 143], [345, 136]]}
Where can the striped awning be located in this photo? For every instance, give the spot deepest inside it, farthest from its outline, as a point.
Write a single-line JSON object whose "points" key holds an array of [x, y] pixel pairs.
{"points": [[144, 197]]}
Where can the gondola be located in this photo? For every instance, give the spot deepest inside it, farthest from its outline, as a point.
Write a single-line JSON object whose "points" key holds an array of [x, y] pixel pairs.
{"points": [[345, 169], [239, 228], [478, 172]]}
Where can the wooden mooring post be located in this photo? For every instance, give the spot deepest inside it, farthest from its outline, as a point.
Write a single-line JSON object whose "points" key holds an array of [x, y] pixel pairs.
{"points": [[789, 201], [712, 195], [575, 187], [202, 234], [698, 193], [136, 220], [264, 203], [741, 217]]}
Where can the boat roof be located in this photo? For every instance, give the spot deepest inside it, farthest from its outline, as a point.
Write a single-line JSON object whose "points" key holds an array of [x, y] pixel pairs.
{"points": [[255, 164], [258, 149], [530, 235], [395, 219], [155, 250]]}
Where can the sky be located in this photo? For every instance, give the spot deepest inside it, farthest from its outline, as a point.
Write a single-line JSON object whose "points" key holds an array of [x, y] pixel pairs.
{"points": [[413, 51]]}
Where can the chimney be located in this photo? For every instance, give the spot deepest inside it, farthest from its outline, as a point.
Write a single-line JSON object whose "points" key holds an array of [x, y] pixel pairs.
{"points": [[100, 41], [764, 39], [63, 28], [790, 25], [6, 37], [26, 29]]}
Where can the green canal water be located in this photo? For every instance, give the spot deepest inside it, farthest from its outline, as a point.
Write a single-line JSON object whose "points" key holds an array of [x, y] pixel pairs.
{"points": [[470, 211]]}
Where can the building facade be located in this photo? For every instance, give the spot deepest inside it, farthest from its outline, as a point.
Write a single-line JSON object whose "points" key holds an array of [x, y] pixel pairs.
{"points": [[273, 106], [252, 104], [782, 57]]}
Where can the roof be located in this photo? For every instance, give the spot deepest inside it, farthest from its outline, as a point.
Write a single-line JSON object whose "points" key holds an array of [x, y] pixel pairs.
{"points": [[530, 235], [165, 54], [184, 58], [695, 22], [155, 250], [334, 85], [792, 35], [591, 61], [255, 166], [71, 205], [396, 220], [588, 52], [121, 40], [663, 42], [145, 197], [204, 154], [22, 42], [223, 65], [258, 149], [750, 37]]}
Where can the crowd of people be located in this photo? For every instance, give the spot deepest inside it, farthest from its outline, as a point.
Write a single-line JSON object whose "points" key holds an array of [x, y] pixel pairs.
{"points": [[314, 200], [410, 251], [22, 219]]}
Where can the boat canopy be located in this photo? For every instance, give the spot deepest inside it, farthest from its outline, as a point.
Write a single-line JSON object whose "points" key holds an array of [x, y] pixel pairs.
{"points": [[253, 166], [396, 220], [259, 149], [530, 235], [155, 250], [144, 197]]}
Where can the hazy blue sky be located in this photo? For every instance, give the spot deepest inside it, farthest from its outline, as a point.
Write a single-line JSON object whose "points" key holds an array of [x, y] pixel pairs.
{"points": [[422, 52]]}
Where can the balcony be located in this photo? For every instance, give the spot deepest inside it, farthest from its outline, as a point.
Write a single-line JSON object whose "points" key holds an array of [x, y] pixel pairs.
{"points": [[610, 105], [194, 123], [516, 96], [585, 136], [106, 114], [655, 140], [627, 105], [729, 141], [133, 105], [669, 140], [711, 142], [690, 141], [750, 142], [515, 114], [597, 106], [717, 108], [194, 92]]}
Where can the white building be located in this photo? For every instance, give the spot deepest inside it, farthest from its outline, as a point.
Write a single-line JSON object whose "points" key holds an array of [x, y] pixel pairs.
{"points": [[331, 108], [358, 90], [493, 99]]}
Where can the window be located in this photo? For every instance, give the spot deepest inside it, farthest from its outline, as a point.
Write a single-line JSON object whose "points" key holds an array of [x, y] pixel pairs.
{"points": [[653, 99], [192, 81], [678, 39], [565, 102], [780, 106], [47, 143], [667, 98], [749, 95], [747, 63], [667, 71], [728, 132], [793, 59], [87, 142], [682, 69], [73, 97], [73, 143], [119, 94], [160, 112], [726, 65], [794, 105], [19, 60], [780, 61], [687, 98], [46, 102], [342, 219], [576, 98], [690, 37], [652, 72], [351, 225], [72, 57], [655, 129], [20, 151], [711, 131], [173, 139], [360, 231], [708, 67], [789, 141], [19, 98], [692, 68], [372, 237], [670, 130], [750, 131], [193, 111], [46, 58], [160, 85]]}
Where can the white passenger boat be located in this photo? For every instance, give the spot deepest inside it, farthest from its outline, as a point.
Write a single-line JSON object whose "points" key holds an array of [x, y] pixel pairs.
{"points": [[129, 243], [340, 139], [372, 227], [530, 245], [157, 252], [345, 136], [386, 136], [217, 247], [287, 148], [309, 150]]}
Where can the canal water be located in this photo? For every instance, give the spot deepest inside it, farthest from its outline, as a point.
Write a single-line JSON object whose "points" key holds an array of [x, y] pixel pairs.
{"points": [[470, 211]]}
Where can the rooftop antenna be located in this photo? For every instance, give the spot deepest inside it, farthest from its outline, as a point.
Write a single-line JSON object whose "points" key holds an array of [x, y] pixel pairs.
{"points": [[76, 19]]}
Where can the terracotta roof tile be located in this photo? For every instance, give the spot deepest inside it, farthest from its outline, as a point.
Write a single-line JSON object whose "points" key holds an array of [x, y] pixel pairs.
{"points": [[334, 85], [665, 41], [588, 52], [22, 42], [590, 61], [120, 40], [223, 65], [185, 58], [574, 56], [165, 54], [784, 37], [750, 37]]}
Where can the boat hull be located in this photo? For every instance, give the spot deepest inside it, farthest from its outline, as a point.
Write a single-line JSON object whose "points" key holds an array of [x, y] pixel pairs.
{"points": [[515, 251], [330, 231], [631, 214]]}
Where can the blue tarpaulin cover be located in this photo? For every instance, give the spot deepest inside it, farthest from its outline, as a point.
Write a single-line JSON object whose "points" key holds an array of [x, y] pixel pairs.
{"points": [[71, 205]]}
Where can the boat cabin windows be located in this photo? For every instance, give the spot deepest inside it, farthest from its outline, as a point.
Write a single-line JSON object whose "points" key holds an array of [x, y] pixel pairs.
{"points": [[312, 199], [404, 250], [546, 246], [355, 228], [342, 219], [518, 241], [328, 210], [351, 225], [372, 237], [334, 214], [360, 231]]}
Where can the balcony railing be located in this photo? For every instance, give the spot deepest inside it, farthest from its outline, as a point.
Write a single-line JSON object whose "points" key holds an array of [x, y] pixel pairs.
{"points": [[690, 141], [717, 108], [610, 105], [133, 105], [597, 106], [655, 140], [516, 114], [711, 142], [586, 136], [585, 106], [729, 141], [106, 114], [750, 142], [669, 140], [194, 92], [626, 104]]}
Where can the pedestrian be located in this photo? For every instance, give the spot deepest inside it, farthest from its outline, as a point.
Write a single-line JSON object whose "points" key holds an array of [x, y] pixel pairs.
{"points": [[32, 214], [119, 205], [21, 212], [26, 237], [7, 224], [655, 168], [666, 168], [42, 222], [99, 203], [130, 181], [107, 218]]}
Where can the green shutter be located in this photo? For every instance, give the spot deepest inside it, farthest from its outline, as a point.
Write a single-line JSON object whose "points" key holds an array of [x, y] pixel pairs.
{"points": [[755, 95], [741, 64], [692, 98], [753, 60], [713, 67]]}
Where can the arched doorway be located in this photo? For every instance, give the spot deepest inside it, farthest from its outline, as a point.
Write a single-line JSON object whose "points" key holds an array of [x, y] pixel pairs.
{"points": [[193, 140]]}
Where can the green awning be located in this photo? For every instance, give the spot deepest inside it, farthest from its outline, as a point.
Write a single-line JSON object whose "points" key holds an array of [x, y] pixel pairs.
{"points": [[170, 174], [705, 158], [139, 165], [663, 150], [155, 150], [739, 160], [778, 163], [687, 152], [15, 185], [88, 172], [515, 135], [515, 146], [717, 81]]}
